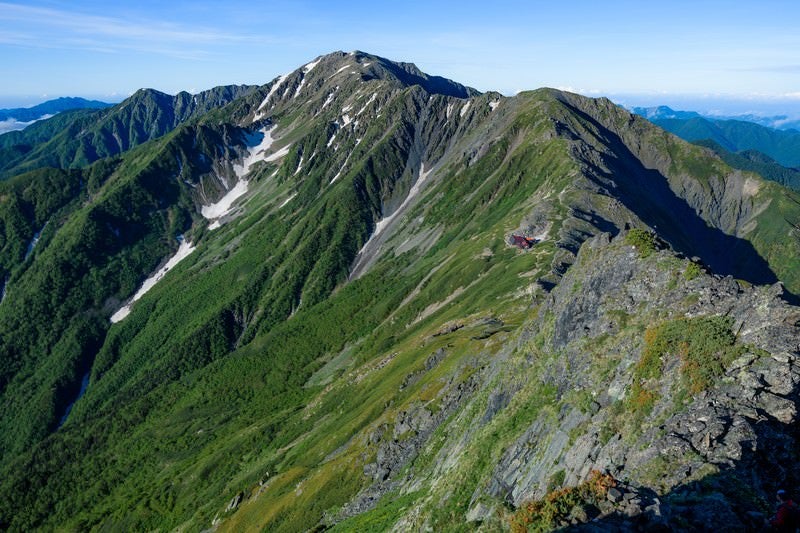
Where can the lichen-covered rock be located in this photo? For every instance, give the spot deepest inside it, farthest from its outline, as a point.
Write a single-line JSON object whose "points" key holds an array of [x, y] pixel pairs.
{"points": [[740, 423], [574, 395]]}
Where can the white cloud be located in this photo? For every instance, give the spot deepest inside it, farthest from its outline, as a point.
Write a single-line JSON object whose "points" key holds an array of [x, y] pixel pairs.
{"points": [[40, 27], [578, 90], [13, 124]]}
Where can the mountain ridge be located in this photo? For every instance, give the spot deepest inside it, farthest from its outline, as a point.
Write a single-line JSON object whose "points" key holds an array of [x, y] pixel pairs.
{"points": [[776, 122], [145, 115], [273, 380]]}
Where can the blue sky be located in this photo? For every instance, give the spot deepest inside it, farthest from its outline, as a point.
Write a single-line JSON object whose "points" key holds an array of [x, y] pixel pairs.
{"points": [[747, 53]]}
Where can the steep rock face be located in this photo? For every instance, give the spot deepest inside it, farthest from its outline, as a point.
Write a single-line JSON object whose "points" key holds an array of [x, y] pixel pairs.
{"points": [[696, 203], [618, 283], [739, 429], [722, 198]]}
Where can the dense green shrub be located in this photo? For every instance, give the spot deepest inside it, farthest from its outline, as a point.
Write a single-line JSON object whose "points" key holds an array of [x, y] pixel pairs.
{"points": [[692, 271], [705, 345], [642, 240]]}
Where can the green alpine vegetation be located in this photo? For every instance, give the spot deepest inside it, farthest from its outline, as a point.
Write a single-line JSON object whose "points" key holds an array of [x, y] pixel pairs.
{"points": [[296, 307], [77, 138]]}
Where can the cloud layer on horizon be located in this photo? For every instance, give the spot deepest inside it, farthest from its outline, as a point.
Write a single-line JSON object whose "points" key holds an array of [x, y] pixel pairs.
{"points": [[13, 124]]}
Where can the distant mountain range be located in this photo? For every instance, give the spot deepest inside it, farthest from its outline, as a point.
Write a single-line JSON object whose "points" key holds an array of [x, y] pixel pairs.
{"points": [[50, 107], [778, 122], [21, 117], [782, 145], [755, 161]]}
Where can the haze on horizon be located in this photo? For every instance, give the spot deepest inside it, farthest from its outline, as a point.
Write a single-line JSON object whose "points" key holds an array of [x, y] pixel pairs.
{"points": [[712, 55]]}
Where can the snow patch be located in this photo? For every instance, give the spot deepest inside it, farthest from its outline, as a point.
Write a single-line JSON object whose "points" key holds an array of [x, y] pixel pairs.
{"points": [[494, 104], [464, 109], [310, 66], [272, 90], [257, 143], [299, 87], [287, 200], [346, 120], [368, 63], [449, 109], [277, 155], [341, 69], [306, 69], [330, 141], [3, 291], [413, 193], [330, 98], [371, 99], [300, 165], [184, 250], [216, 210], [336, 177]]}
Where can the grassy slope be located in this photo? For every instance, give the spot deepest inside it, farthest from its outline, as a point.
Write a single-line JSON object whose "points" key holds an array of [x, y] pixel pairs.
{"points": [[238, 401], [188, 408]]}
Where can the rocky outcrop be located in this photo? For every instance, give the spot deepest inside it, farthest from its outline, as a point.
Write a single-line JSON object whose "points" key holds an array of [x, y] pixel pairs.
{"points": [[738, 433], [397, 445]]}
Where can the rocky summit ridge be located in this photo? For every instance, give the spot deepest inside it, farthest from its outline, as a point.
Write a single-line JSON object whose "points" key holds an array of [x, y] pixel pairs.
{"points": [[299, 306]]}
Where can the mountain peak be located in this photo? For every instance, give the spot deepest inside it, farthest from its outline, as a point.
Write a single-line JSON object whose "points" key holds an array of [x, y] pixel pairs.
{"points": [[369, 66]]}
